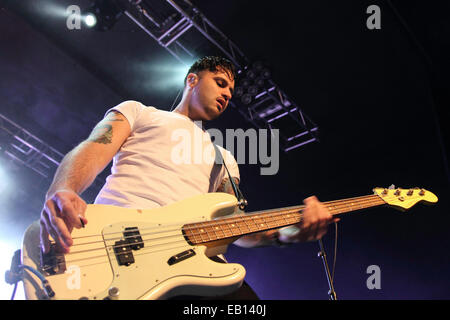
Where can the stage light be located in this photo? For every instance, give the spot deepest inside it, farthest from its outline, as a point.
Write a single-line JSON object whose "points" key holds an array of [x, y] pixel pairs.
{"points": [[259, 82], [245, 82], [246, 98], [238, 91], [102, 14], [251, 74], [253, 90], [90, 20], [257, 66], [265, 73], [251, 81]]}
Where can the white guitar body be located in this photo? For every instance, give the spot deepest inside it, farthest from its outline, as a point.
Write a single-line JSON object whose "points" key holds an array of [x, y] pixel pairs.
{"points": [[92, 267]]}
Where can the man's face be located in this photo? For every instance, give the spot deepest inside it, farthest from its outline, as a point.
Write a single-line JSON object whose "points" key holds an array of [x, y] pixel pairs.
{"points": [[211, 94]]}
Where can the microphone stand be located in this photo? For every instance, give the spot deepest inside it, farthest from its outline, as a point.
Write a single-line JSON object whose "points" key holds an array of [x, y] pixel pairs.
{"points": [[322, 254]]}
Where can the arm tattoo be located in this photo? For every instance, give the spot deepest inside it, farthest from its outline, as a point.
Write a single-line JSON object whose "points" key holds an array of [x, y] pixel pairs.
{"points": [[226, 186], [103, 133]]}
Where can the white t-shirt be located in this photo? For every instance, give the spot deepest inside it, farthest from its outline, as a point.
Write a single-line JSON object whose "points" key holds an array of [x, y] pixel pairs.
{"points": [[167, 158]]}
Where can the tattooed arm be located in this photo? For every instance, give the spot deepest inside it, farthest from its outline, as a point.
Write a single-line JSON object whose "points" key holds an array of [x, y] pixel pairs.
{"points": [[64, 208], [80, 166], [258, 239]]}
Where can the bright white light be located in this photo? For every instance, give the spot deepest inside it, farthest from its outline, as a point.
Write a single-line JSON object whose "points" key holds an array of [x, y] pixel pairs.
{"points": [[5, 263], [53, 9], [176, 74], [170, 76], [90, 20], [5, 180]]}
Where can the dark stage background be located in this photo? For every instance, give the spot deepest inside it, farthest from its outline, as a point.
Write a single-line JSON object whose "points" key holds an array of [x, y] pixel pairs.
{"points": [[379, 97]]}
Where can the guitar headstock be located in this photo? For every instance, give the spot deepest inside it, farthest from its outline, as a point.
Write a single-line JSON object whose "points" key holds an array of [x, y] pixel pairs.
{"points": [[404, 199]]}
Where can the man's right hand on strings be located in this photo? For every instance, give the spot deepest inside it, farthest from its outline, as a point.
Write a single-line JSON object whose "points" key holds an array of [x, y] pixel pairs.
{"points": [[63, 210]]}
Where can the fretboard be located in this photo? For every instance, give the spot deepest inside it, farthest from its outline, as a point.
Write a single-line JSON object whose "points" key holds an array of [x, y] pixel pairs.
{"points": [[239, 225]]}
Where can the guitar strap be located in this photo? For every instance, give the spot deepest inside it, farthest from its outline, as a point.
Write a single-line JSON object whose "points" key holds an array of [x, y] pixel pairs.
{"points": [[237, 192]]}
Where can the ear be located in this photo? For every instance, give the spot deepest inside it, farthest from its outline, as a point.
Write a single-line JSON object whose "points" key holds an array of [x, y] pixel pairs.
{"points": [[192, 79]]}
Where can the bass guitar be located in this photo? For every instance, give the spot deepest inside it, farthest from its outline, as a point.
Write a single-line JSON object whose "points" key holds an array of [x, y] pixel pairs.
{"points": [[131, 254]]}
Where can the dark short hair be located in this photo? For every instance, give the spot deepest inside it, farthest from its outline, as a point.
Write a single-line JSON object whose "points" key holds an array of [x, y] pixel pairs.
{"points": [[213, 64]]}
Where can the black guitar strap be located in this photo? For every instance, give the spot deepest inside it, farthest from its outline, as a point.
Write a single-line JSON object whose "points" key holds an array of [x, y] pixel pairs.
{"points": [[219, 160]]}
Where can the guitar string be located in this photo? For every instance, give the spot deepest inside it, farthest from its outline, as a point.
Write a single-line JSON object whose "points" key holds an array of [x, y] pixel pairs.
{"points": [[218, 222], [202, 233], [249, 231], [142, 251], [180, 241], [153, 239], [294, 209]]}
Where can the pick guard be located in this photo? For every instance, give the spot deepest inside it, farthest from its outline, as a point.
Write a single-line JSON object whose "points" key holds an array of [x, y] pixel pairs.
{"points": [[93, 268]]}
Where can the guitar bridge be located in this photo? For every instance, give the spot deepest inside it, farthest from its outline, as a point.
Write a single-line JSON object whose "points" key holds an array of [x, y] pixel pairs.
{"points": [[53, 262]]}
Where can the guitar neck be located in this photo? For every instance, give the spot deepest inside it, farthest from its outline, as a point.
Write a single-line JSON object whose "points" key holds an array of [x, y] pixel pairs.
{"points": [[240, 225]]}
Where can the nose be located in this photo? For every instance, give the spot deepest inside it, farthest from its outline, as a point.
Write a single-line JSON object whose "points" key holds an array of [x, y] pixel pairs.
{"points": [[226, 95]]}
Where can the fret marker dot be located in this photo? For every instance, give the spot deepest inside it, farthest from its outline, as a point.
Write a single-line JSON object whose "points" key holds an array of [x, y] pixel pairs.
{"points": [[201, 230]]}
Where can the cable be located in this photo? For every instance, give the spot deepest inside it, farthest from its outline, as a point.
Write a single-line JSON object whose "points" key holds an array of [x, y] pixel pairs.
{"points": [[176, 98], [323, 256], [48, 289], [14, 291], [33, 270], [335, 251]]}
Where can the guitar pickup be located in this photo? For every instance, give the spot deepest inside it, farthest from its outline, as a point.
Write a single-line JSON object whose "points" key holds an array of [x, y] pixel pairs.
{"points": [[181, 256], [133, 237], [123, 248], [124, 256]]}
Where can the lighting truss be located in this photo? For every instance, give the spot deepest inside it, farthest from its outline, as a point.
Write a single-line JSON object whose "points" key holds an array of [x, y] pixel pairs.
{"points": [[186, 33], [25, 149]]}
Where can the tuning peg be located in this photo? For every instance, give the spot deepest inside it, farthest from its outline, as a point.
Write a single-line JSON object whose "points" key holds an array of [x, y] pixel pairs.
{"points": [[391, 187], [397, 192], [410, 192], [422, 192], [385, 192]]}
